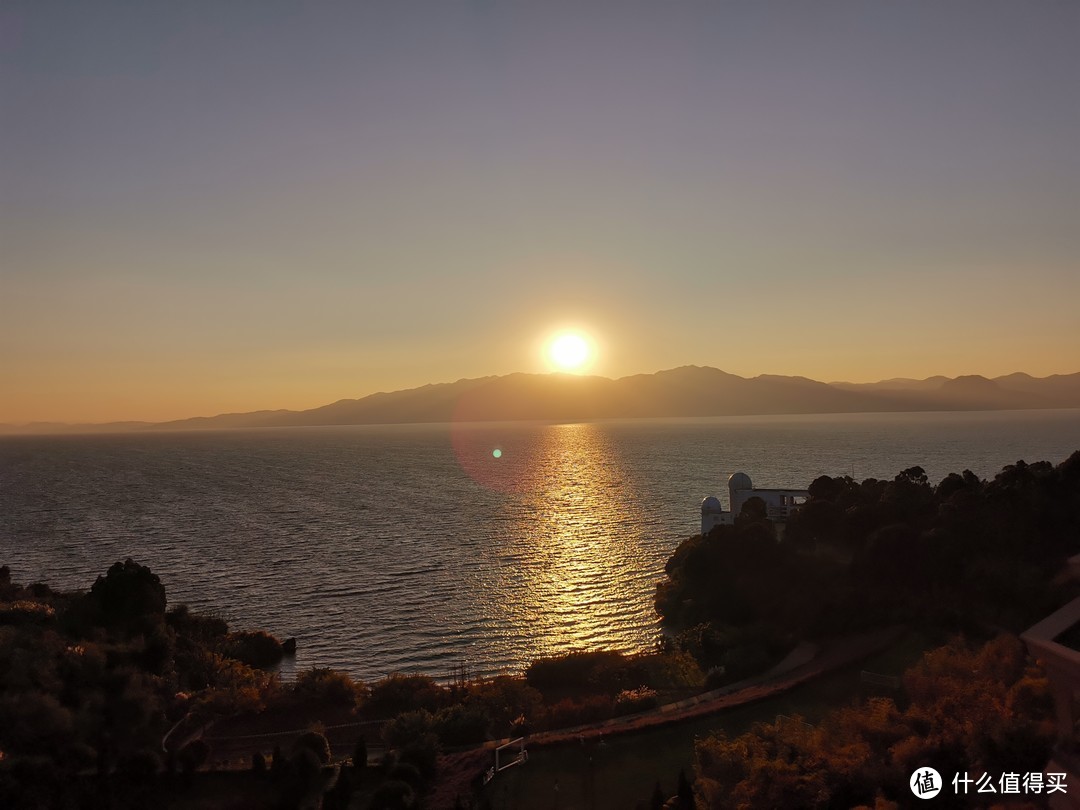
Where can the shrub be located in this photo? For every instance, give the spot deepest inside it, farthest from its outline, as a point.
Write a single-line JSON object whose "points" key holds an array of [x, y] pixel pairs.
{"points": [[141, 765], [408, 726], [306, 770], [315, 742], [359, 755], [570, 712], [412, 734], [128, 593], [325, 684], [406, 772], [193, 756], [601, 670], [461, 725], [629, 701], [196, 626], [393, 794], [257, 649], [508, 701], [406, 693]]}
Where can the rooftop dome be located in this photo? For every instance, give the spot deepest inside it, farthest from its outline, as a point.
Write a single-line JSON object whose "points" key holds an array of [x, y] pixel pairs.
{"points": [[740, 480], [711, 504]]}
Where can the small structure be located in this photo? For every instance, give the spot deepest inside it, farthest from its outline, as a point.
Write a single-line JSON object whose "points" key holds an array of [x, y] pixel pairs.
{"points": [[779, 503]]}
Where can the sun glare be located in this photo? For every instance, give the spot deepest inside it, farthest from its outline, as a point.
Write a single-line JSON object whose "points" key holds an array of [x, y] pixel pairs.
{"points": [[569, 351]]}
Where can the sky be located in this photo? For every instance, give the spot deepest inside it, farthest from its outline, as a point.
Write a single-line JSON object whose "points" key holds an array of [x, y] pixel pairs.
{"points": [[209, 207]]}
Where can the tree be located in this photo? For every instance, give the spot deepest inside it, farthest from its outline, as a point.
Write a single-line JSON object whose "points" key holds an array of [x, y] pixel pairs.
{"points": [[656, 801], [316, 743], [685, 792], [128, 593], [193, 756], [359, 755]]}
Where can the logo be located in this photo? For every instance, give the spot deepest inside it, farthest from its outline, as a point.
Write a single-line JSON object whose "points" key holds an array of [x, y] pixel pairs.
{"points": [[925, 783]]}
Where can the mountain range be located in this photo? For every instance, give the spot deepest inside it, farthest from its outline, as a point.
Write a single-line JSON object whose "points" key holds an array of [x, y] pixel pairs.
{"points": [[685, 391]]}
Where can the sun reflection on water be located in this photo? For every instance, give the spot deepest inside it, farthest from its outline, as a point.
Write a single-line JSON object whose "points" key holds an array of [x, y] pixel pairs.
{"points": [[572, 576]]}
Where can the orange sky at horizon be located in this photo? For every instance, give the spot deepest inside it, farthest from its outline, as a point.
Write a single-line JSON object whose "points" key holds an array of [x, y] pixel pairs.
{"points": [[212, 208], [86, 396]]}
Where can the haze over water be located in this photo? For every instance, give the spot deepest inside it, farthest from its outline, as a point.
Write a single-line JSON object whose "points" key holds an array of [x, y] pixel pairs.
{"points": [[415, 548]]}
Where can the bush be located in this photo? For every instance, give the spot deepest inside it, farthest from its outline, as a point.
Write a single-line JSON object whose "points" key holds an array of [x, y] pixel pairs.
{"points": [[408, 726], [33, 723], [257, 649], [193, 756], [406, 772], [141, 765], [329, 685], [508, 701], [128, 593], [412, 735], [406, 693], [359, 755], [636, 700], [461, 725], [306, 771], [196, 626], [315, 742], [570, 712], [393, 794], [594, 671]]}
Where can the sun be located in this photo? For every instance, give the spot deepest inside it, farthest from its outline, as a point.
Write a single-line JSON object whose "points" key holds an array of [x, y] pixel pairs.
{"points": [[569, 351]]}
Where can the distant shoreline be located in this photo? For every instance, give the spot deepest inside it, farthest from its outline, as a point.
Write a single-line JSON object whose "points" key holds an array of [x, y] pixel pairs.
{"points": [[689, 391], [158, 429]]}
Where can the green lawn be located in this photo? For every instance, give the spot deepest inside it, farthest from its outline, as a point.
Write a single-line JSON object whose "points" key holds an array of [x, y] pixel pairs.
{"points": [[621, 771]]}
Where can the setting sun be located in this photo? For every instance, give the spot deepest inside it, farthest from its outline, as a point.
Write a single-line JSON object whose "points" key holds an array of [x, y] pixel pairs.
{"points": [[569, 351]]}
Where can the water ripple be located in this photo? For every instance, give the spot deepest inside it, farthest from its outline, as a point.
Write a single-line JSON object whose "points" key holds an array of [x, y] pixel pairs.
{"points": [[413, 548]]}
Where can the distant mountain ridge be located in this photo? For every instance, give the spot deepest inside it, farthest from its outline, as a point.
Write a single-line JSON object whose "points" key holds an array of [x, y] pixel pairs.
{"points": [[684, 391]]}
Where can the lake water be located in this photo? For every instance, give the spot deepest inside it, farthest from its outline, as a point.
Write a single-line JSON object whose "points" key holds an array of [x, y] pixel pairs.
{"points": [[421, 548]]}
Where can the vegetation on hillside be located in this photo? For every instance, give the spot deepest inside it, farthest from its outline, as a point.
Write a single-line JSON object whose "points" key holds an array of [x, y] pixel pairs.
{"points": [[963, 710], [106, 694], [964, 555]]}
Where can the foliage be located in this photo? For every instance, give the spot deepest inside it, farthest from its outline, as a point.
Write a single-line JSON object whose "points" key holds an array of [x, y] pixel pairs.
{"points": [[393, 794], [412, 735], [861, 555], [975, 710], [510, 703], [404, 693], [360, 754], [128, 593], [330, 686], [574, 712], [196, 627], [408, 726], [256, 649], [629, 701], [193, 755], [315, 742], [461, 724], [600, 671]]}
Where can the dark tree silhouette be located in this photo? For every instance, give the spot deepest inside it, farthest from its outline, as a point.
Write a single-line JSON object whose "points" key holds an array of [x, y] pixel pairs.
{"points": [[128, 593]]}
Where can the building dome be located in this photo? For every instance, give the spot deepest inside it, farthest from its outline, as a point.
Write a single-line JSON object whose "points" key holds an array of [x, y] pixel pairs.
{"points": [[711, 504], [739, 480]]}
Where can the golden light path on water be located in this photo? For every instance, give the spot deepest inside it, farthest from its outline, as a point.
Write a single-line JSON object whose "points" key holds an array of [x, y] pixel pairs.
{"points": [[419, 548], [580, 584]]}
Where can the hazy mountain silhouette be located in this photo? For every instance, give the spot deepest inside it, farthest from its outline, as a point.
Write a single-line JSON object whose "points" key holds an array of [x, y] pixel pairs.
{"points": [[685, 391]]}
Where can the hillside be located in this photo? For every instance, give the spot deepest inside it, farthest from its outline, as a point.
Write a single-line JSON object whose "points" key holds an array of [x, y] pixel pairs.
{"points": [[685, 391]]}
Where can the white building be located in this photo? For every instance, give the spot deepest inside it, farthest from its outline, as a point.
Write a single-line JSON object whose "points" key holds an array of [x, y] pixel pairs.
{"points": [[779, 503]]}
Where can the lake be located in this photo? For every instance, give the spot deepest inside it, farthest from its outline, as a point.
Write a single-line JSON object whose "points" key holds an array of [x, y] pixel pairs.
{"points": [[431, 547]]}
